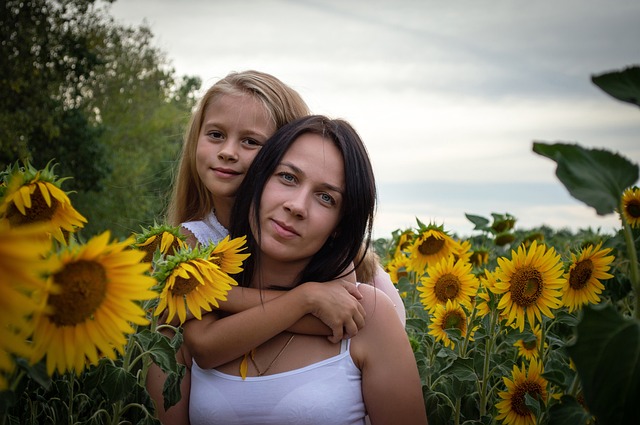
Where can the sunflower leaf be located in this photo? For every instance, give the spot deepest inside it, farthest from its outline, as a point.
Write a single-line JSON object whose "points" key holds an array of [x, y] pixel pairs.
{"points": [[594, 176], [462, 369], [117, 383], [568, 411], [481, 223], [159, 347], [606, 353], [623, 85]]}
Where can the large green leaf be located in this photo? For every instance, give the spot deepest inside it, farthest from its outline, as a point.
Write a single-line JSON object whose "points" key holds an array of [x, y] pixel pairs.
{"points": [[159, 347], [117, 383], [568, 411], [594, 176], [623, 85], [607, 356]]}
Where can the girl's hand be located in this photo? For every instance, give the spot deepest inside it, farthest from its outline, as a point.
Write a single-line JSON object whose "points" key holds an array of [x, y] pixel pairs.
{"points": [[336, 305]]}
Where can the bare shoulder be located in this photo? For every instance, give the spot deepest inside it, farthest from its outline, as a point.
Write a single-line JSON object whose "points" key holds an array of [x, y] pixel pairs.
{"points": [[375, 299], [191, 238]]}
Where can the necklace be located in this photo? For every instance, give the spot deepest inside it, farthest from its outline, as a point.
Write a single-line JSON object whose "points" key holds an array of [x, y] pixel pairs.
{"points": [[251, 355]]}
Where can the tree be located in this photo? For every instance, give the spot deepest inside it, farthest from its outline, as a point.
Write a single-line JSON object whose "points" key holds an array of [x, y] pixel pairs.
{"points": [[99, 99]]}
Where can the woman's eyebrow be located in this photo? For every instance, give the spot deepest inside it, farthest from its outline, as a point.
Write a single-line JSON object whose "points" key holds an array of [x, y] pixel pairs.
{"points": [[299, 171]]}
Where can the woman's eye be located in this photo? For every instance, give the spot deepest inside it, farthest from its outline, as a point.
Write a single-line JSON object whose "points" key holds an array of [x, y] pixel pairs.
{"points": [[325, 197], [287, 177]]}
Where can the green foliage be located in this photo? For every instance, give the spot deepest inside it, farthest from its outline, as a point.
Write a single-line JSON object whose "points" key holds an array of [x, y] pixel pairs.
{"points": [[623, 85], [98, 98], [607, 356], [594, 176]]}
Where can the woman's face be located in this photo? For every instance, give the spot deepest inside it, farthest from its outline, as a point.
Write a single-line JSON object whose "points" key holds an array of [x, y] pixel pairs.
{"points": [[233, 130], [302, 201]]}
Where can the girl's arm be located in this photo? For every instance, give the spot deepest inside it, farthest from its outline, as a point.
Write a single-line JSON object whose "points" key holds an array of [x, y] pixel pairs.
{"points": [[334, 313], [391, 384], [215, 340]]}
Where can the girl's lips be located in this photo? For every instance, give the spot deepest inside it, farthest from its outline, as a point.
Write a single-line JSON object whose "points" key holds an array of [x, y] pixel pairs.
{"points": [[225, 172], [283, 230]]}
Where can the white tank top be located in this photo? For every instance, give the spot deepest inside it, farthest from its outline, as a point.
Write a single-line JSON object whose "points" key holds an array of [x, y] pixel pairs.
{"points": [[325, 393]]}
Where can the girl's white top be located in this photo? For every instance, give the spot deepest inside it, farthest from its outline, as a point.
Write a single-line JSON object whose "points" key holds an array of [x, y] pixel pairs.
{"points": [[207, 231]]}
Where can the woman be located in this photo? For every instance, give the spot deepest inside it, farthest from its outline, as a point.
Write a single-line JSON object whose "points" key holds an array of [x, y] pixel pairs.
{"points": [[310, 196]]}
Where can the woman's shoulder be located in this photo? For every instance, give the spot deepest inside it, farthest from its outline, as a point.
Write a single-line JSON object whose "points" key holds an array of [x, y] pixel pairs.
{"points": [[375, 301]]}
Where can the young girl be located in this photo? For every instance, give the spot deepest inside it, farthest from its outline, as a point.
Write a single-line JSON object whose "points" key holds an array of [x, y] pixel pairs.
{"points": [[310, 196]]}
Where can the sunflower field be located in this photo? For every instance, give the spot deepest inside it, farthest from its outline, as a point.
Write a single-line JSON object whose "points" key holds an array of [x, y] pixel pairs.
{"points": [[508, 326]]}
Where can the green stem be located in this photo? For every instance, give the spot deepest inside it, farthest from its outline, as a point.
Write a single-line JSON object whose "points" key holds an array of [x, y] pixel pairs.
{"points": [[456, 420], [485, 368], [633, 262], [542, 354], [467, 336]]}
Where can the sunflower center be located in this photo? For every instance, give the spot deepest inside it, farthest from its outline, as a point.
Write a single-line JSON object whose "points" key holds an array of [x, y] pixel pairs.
{"points": [[454, 320], [84, 285], [530, 344], [580, 275], [431, 245], [39, 210], [526, 286], [447, 287], [182, 286], [517, 401], [216, 259], [633, 209], [150, 250]]}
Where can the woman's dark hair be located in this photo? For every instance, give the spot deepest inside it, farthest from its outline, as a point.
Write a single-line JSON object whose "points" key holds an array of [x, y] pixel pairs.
{"points": [[358, 201]]}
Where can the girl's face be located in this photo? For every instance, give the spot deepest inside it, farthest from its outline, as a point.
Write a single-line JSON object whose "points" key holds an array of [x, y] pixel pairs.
{"points": [[233, 130], [302, 201]]}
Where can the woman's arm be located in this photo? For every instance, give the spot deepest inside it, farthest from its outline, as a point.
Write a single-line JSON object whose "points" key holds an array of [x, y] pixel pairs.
{"points": [[214, 340], [179, 413], [391, 384]]}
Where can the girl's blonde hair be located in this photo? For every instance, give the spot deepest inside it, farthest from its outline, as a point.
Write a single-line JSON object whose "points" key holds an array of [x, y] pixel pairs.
{"points": [[190, 199]]}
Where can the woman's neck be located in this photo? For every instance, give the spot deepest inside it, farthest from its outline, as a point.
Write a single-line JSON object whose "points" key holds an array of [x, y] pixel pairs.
{"points": [[272, 273]]}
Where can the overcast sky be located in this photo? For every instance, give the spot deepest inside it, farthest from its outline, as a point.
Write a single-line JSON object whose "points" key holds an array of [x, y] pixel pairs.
{"points": [[448, 95]]}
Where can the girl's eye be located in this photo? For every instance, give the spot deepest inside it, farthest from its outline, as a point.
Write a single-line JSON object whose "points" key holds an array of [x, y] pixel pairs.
{"points": [[253, 143], [215, 134]]}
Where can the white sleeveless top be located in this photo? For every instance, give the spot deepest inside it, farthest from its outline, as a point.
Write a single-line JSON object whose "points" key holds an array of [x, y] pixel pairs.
{"points": [[207, 231], [325, 393]]}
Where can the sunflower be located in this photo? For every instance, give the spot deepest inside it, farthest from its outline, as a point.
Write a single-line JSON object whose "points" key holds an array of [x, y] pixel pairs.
{"points": [[429, 247], [448, 316], [227, 256], [448, 280], [404, 241], [34, 196], [512, 409], [22, 264], [583, 284], [631, 206], [93, 298], [530, 284], [167, 238], [528, 347], [479, 257], [191, 283], [462, 250], [397, 267]]}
